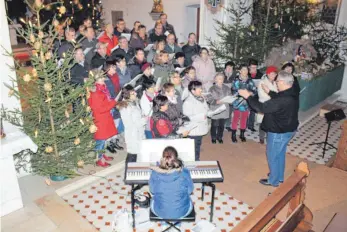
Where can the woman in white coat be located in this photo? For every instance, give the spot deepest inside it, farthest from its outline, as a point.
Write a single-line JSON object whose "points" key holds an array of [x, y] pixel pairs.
{"points": [[267, 80], [195, 108], [133, 121], [146, 103]]}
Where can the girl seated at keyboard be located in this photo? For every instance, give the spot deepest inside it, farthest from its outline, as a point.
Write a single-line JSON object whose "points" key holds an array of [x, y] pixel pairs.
{"points": [[170, 185]]}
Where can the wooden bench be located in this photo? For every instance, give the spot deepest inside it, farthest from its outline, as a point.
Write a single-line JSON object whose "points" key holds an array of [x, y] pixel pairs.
{"points": [[299, 217]]}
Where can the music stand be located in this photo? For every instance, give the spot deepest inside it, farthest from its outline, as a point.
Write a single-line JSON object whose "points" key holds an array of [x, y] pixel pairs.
{"points": [[335, 115]]}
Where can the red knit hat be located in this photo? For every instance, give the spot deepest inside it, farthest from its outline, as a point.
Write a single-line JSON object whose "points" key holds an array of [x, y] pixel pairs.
{"points": [[145, 66], [271, 69]]}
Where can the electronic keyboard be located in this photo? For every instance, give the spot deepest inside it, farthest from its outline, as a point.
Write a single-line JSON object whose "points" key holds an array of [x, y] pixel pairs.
{"points": [[200, 171]]}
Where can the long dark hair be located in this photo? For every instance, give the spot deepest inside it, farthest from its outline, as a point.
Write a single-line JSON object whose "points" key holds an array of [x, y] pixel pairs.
{"points": [[289, 64], [158, 102], [170, 159]]}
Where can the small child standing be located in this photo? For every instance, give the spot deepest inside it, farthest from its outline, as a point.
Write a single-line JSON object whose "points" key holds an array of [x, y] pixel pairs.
{"points": [[218, 91], [146, 103], [101, 104], [174, 111], [240, 106]]}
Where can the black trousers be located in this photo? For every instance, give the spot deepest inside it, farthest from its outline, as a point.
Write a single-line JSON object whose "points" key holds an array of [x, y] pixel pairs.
{"points": [[197, 145], [251, 119], [217, 128]]}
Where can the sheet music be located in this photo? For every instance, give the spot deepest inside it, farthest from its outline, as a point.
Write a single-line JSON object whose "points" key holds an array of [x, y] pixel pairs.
{"points": [[152, 149], [85, 51], [187, 127], [228, 99], [100, 67], [114, 48], [149, 47], [216, 111], [118, 95], [171, 56], [179, 70], [158, 84], [126, 35], [138, 87], [166, 33], [133, 81], [100, 34]]}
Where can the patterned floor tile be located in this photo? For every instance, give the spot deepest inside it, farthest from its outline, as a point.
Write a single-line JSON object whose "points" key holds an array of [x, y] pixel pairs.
{"points": [[98, 203], [313, 131]]}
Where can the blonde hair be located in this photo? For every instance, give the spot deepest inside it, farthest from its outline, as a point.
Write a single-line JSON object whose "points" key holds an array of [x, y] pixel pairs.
{"points": [[170, 159]]}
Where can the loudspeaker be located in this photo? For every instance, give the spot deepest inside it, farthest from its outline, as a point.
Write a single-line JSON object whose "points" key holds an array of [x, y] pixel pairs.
{"points": [[335, 115]]}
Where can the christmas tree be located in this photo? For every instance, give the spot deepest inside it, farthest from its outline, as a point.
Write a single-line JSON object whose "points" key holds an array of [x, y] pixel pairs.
{"points": [[74, 11], [272, 22], [54, 112]]}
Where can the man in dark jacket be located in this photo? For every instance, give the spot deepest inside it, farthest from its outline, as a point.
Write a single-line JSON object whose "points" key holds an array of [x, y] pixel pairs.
{"points": [[135, 64], [190, 49], [280, 122], [79, 72], [171, 46], [166, 26], [99, 59], [253, 74], [157, 33], [89, 44], [120, 28], [123, 50], [68, 44]]}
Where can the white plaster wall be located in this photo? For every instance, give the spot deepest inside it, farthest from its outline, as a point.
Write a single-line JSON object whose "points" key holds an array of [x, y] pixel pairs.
{"points": [[134, 10], [343, 21], [11, 198], [6, 72]]}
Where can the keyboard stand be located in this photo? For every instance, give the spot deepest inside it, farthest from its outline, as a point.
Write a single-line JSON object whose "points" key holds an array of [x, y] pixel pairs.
{"points": [[213, 188], [133, 189]]}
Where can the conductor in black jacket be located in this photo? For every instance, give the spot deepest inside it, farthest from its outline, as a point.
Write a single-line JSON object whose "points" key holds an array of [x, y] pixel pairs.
{"points": [[280, 122]]}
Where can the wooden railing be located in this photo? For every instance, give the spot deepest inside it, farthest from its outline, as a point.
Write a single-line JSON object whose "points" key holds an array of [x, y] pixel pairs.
{"points": [[299, 217]]}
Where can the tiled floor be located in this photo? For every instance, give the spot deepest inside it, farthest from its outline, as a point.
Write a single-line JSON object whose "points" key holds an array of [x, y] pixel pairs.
{"points": [[98, 203], [313, 131]]}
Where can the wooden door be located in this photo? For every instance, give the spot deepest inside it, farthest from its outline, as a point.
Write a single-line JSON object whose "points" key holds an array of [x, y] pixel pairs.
{"points": [[197, 24]]}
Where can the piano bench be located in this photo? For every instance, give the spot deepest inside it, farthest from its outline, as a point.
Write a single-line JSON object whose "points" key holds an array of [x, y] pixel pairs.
{"points": [[172, 222]]}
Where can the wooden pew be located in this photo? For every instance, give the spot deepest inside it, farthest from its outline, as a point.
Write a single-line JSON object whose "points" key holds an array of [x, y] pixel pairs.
{"points": [[299, 217]]}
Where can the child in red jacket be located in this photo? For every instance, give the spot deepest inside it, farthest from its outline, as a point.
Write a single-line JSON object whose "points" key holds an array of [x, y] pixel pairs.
{"points": [[101, 104]]}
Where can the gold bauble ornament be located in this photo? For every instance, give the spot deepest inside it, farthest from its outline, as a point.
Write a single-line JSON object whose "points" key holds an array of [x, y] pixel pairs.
{"points": [[10, 93], [93, 129], [32, 38], [37, 45], [81, 121], [27, 78], [48, 181], [80, 163], [83, 102], [55, 23], [48, 55], [252, 28], [41, 35], [67, 115], [34, 53], [62, 10], [77, 141], [47, 87], [49, 149], [34, 72], [88, 109], [36, 133], [88, 95]]}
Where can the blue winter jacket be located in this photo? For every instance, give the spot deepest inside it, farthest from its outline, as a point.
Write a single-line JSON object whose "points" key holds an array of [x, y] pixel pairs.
{"points": [[123, 78], [171, 193], [240, 103]]}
